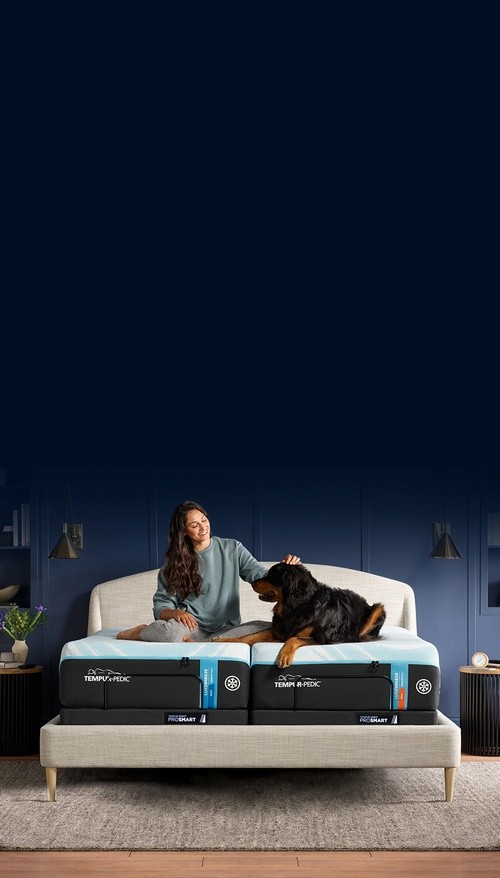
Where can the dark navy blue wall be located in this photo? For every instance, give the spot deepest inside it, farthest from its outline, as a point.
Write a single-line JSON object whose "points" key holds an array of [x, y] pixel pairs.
{"points": [[375, 519]]}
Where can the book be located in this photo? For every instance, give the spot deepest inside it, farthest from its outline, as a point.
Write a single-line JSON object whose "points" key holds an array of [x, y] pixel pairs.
{"points": [[25, 524], [15, 527]]}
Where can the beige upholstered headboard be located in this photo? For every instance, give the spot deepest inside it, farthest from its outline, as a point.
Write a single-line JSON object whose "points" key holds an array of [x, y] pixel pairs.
{"points": [[121, 603]]}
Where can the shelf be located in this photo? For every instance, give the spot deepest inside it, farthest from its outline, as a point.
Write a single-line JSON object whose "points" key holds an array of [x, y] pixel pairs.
{"points": [[18, 561], [22, 487]]}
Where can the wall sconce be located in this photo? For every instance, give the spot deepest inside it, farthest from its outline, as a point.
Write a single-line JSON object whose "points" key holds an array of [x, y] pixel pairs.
{"points": [[444, 547], [71, 538]]}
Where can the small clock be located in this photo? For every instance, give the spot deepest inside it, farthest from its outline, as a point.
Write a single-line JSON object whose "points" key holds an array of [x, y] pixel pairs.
{"points": [[480, 660]]}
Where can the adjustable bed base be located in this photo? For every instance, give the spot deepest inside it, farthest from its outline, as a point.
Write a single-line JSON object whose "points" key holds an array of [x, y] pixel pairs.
{"points": [[317, 735]]}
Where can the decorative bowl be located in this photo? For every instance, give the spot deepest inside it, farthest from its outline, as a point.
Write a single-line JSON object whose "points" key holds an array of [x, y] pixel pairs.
{"points": [[7, 593]]}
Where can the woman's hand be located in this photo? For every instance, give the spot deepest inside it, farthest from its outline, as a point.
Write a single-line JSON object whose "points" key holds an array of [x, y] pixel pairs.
{"points": [[291, 559], [185, 618]]}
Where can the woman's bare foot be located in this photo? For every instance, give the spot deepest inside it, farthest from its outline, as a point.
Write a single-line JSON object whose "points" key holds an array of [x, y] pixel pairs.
{"points": [[131, 633], [187, 639]]}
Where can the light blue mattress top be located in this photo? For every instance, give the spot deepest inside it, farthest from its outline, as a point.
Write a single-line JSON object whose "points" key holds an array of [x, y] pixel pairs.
{"points": [[394, 645], [103, 644]]}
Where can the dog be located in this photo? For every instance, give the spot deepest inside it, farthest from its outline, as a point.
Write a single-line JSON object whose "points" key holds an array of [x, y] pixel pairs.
{"points": [[308, 611]]}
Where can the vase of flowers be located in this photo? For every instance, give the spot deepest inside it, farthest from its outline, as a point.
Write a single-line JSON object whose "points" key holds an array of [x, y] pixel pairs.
{"points": [[18, 624]]}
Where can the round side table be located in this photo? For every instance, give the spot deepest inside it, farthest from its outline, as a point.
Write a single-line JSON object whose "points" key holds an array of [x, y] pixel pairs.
{"points": [[20, 710], [480, 710]]}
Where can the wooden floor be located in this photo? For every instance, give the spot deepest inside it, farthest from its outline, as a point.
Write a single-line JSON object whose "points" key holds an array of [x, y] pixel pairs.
{"points": [[260, 864]]}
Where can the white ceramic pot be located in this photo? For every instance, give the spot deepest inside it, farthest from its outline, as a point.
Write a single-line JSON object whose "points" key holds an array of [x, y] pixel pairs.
{"points": [[20, 650]]}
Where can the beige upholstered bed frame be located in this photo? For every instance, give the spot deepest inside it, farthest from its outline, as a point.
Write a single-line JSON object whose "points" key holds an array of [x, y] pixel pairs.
{"points": [[124, 602]]}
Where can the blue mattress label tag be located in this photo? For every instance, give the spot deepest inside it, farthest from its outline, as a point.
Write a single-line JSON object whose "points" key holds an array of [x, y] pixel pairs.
{"points": [[209, 674], [399, 677]]}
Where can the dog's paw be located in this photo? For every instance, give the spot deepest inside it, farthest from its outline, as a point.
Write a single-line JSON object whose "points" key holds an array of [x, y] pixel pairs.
{"points": [[285, 657]]}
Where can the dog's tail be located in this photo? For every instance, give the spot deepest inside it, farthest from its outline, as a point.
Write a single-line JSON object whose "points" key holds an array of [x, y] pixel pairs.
{"points": [[372, 625]]}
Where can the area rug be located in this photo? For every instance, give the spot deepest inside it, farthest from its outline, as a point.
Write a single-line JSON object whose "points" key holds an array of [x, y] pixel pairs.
{"points": [[249, 809]]}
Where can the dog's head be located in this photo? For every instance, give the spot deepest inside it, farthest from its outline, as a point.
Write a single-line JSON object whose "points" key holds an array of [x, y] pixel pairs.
{"points": [[289, 583]]}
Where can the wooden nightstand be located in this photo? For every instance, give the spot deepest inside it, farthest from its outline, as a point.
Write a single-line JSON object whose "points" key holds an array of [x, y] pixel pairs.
{"points": [[20, 710]]}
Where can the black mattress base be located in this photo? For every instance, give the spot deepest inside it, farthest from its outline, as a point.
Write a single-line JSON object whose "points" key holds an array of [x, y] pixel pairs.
{"points": [[349, 686], [343, 717], [163, 684], [89, 716]]}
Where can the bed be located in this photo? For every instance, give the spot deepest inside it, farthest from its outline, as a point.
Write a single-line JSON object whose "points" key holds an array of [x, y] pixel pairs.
{"points": [[317, 730]]}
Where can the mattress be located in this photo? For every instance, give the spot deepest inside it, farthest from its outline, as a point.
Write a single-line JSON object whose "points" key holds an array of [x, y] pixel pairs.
{"points": [[394, 679], [105, 680]]}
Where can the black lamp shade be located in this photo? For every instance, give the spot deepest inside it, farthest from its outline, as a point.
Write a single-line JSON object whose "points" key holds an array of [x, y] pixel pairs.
{"points": [[64, 548], [445, 548]]}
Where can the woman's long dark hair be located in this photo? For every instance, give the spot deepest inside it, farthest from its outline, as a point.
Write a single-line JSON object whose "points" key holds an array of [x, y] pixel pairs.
{"points": [[181, 569]]}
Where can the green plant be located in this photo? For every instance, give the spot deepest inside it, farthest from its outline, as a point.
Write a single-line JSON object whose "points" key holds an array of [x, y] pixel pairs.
{"points": [[19, 623]]}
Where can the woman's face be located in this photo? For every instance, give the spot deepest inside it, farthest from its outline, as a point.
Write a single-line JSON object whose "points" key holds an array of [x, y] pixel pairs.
{"points": [[197, 528]]}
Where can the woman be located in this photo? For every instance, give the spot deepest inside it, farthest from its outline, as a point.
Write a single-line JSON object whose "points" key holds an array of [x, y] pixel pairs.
{"points": [[198, 586]]}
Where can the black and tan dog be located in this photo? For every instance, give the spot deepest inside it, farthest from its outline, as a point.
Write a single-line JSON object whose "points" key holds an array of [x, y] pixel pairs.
{"points": [[308, 611]]}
